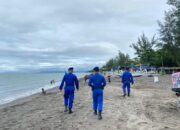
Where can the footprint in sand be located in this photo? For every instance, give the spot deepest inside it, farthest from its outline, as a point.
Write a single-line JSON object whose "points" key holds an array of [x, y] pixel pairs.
{"points": [[6, 129], [142, 123], [45, 128]]}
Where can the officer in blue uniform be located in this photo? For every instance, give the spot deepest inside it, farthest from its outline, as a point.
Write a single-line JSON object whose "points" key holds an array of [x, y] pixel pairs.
{"points": [[127, 79], [97, 83], [70, 81]]}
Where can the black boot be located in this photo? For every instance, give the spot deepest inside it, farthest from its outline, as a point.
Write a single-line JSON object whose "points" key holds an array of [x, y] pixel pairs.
{"points": [[100, 115], [70, 111], [128, 94], [95, 112], [124, 95], [66, 109]]}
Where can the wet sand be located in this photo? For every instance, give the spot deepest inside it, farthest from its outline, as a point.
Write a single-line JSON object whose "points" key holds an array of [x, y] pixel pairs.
{"points": [[152, 106]]}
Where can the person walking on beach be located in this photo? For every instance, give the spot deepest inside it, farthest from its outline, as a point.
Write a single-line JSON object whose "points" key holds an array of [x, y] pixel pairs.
{"points": [[70, 81], [86, 77], [109, 77], [97, 83], [127, 79]]}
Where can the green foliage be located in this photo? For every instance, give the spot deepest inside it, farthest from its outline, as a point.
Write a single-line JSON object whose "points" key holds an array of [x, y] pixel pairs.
{"points": [[166, 51], [110, 64], [145, 49], [170, 35], [120, 60], [162, 52]]}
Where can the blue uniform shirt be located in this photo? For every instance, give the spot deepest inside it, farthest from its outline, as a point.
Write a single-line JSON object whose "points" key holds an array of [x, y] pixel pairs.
{"points": [[97, 81], [127, 77], [69, 79]]}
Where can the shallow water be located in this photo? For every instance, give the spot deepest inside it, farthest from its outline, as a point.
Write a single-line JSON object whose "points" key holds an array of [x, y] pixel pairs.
{"points": [[14, 86]]}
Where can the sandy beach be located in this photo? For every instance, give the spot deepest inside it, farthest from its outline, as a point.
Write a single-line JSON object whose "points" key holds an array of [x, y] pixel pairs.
{"points": [[152, 106]]}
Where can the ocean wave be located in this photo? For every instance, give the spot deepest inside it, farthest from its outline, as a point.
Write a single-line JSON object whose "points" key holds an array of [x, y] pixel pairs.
{"points": [[20, 95]]}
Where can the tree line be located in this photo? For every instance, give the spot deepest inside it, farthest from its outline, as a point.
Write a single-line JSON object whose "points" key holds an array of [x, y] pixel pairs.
{"points": [[163, 50]]}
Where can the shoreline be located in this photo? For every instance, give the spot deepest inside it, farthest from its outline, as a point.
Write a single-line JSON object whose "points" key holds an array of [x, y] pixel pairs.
{"points": [[24, 99], [29, 97], [49, 89], [34, 95]]}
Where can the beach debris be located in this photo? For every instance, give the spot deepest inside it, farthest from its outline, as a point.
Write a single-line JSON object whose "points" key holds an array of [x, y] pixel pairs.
{"points": [[43, 91], [156, 79], [150, 75]]}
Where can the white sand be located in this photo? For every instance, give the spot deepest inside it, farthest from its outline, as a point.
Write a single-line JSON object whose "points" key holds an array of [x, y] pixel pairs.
{"points": [[151, 107]]}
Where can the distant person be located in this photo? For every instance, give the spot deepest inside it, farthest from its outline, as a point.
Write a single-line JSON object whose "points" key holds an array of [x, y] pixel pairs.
{"points": [[86, 77], [70, 81], [127, 79], [97, 83], [52, 82], [43, 91], [109, 77]]}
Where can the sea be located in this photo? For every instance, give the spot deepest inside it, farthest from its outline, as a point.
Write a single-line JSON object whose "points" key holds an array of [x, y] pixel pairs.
{"points": [[18, 85]]}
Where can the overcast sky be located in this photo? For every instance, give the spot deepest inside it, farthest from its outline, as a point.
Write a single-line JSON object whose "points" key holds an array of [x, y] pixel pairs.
{"points": [[79, 33]]}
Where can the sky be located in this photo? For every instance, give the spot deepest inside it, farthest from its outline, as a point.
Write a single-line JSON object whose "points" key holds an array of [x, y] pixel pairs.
{"points": [[36, 34]]}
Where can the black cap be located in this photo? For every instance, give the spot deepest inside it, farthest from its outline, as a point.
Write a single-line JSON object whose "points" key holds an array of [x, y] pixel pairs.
{"points": [[70, 68], [96, 69]]}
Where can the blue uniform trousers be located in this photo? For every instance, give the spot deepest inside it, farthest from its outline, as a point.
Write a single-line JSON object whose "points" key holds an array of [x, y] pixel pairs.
{"points": [[69, 96], [98, 99], [127, 86]]}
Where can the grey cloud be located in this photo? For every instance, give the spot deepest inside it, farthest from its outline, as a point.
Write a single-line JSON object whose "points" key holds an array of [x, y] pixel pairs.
{"points": [[77, 32]]}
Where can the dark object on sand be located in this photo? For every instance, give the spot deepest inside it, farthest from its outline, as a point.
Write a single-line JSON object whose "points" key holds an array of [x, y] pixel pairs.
{"points": [[52, 82], [109, 78], [43, 91], [150, 75], [99, 116], [70, 111], [177, 90], [178, 94], [95, 112], [124, 95]]}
